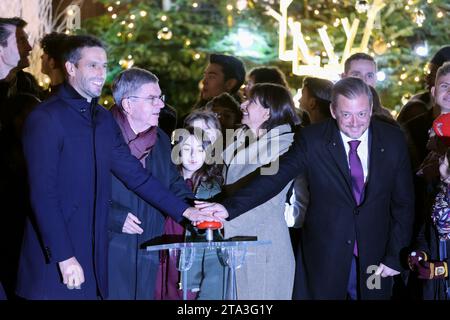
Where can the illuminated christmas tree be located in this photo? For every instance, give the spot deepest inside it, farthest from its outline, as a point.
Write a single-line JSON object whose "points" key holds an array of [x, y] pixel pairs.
{"points": [[173, 38]]}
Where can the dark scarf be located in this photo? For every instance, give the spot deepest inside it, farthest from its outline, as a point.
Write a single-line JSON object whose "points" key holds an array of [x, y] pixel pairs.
{"points": [[140, 144]]}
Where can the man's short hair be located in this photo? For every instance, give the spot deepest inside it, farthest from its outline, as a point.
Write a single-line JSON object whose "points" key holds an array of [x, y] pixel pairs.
{"points": [[76, 43], [357, 56], [268, 75], [232, 68], [351, 88], [443, 70], [129, 81], [441, 56], [5, 32], [53, 45]]}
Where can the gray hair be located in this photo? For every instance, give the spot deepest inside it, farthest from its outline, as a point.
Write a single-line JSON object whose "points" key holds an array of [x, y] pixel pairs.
{"points": [[350, 88], [129, 81]]}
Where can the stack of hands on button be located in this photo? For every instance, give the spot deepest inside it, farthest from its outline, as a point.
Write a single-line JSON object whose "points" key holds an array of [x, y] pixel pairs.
{"points": [[216, 211]]}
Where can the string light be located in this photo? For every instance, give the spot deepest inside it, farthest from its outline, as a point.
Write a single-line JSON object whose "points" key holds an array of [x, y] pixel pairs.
{"points": [[70, 12], [229, 7], [241, 5], [440, 14], [362, 6], [110, 8], [195, 5], [196, 56], [403, 76], [164, 34], [143, 13], [164, 18], [132, 17], [118, 3], [131, 25], [114, 16], [419, 17], [416, 79], [381, 76], [316, 12], [187, 43]]}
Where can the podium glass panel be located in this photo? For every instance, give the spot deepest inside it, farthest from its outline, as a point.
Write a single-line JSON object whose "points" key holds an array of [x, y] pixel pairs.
{"points": [[231, 253]]}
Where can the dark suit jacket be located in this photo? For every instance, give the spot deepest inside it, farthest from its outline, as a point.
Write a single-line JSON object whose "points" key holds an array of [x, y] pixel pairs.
{"points": [[381, 224], [69, 158]]}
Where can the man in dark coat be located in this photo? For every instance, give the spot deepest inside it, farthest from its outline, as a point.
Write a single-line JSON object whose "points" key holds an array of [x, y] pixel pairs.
{"points": [[360, 212], [132, 222], [18, 95], [71, 145]]}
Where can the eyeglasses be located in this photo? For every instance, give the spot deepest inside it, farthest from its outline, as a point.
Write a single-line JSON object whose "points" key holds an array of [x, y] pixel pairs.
{"points": [[152, 99]]}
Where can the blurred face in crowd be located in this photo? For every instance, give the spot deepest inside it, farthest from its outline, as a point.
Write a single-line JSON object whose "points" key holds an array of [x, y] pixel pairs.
{"points": [[254, 114], [227, 118], [352, 115], [444, 169], [143, 107], [88, 75], [192, 156], [441, 93], [9, 55], [214, 82], [24, 48], [249, 85], [46, 66], [307, 101], [366, 70]]}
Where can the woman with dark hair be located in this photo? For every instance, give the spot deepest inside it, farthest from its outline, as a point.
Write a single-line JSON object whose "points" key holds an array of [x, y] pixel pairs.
{"points": [[268, 118], [271, 75]]}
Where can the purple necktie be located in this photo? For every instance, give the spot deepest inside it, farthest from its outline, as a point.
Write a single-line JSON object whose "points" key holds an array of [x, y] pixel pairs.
{"points": [[357, 173]]}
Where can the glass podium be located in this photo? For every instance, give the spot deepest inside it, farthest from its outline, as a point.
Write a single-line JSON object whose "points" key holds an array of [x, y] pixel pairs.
{"points": [[231, 252]]}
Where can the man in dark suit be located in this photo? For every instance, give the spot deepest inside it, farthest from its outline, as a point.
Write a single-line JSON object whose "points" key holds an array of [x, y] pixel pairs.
{"points": [[71, 145], [360, 212]]}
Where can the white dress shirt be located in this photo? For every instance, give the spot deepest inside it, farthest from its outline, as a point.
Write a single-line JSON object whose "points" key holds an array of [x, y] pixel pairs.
{"points": [[363, 151]]}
